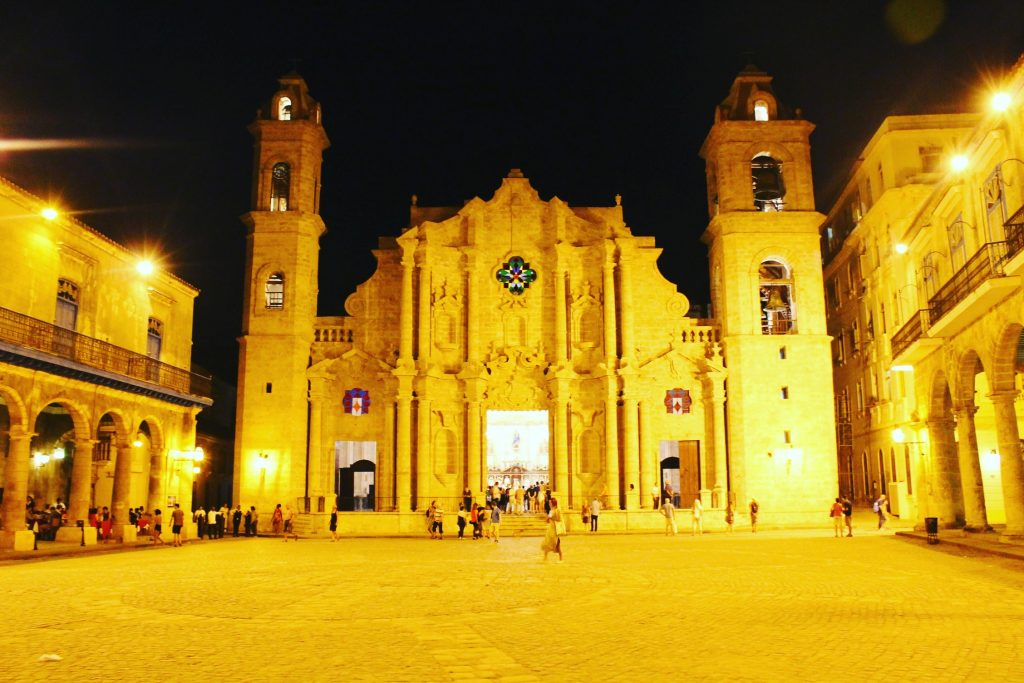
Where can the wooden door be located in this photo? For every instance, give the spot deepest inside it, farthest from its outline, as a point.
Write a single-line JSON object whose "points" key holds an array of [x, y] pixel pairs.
{"points": [[689, 472]]}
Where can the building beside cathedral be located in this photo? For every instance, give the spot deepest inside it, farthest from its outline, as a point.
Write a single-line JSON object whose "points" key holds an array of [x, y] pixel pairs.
{"points": [[924, 253], [517, 339], [97, 400]]}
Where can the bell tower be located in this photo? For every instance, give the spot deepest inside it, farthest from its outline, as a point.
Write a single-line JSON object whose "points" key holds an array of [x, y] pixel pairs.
{"points": [[767, 292], [280, 294]]}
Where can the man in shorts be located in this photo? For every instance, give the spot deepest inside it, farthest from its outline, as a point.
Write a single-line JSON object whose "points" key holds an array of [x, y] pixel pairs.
{"points": [[177, 521]]}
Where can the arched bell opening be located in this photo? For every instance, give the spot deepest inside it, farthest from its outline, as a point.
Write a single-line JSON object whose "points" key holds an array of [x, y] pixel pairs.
{"points": [[766, 180]]}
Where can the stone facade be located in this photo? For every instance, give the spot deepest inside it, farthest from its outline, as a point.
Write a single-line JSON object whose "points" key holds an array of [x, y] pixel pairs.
{"points": [[517, 303], [923, 279], [96, 402]]}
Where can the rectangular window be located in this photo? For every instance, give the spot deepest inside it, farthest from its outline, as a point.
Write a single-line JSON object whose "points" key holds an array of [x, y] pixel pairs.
{"points": [[785, 393], [993, 192], [270, 388], [906, 461], [957, 247], [931, 158], [154, 338], [788, 436], [782, 353], [67, 305], [860, 397]]}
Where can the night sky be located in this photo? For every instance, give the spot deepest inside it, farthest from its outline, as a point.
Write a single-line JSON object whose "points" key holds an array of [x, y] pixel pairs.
{"points": [[441, 100]]}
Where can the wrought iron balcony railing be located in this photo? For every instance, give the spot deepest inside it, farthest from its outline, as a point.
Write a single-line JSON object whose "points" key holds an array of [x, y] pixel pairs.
{"points": [[914, 328], [1013, 228], [984, 265], [22, 330]]}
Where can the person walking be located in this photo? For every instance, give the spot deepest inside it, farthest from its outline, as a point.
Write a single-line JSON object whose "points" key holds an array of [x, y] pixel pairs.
{"points": [[753, 515], [334, 524], [495, 521], [277, 520], [552, 542], [177, 521], [836, 513], [461, 521], [848, 516], [698, 516], [595, 510], [879, 508], [158, 527], [289, 523], [669, 512]]}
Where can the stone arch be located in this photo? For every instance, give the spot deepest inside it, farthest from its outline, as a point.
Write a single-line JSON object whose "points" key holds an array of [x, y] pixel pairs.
{"points": [[1003, 370], [16, 410], [156, 431], [79, 416], [775, 150], [940, 399], [967, 368], [121, 423]]}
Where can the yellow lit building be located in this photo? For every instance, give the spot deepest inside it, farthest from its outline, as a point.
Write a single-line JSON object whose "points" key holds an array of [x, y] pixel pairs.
{"points": [[516, 339], [923, 255], [97, 404]]}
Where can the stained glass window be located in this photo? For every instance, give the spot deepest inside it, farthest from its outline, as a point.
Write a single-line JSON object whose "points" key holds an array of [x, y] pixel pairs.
{"points": [[516, 275]]}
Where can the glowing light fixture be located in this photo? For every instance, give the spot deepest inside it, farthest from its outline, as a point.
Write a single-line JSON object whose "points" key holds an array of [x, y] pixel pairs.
{"points": [[41, 459], [58, 454], [145, 267], [138, 440], [898, 436], [49, 213], [1001, 101], [958, 162], [195, 470], [263, 461], [902, 368], [198, 454], [901, 248]]}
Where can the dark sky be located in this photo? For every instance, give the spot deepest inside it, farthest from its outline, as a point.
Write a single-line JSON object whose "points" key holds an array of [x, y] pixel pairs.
{"points": [[441, 100]]}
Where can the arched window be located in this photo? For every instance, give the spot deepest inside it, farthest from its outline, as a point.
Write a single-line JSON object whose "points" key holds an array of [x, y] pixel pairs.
{"points": [[284, 109], [766, 181], [280, 179], [154, 338], [775, 289], [275, 291], [760, 110], [67, 304]]}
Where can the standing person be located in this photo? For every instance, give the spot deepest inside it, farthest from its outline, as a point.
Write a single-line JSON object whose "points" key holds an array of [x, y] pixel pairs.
{"points": [[585, 514], [879, 508], [669, 512], [438, 523], [277, 520], [461, 521], [698, 516], [848, 516], [211, 523], [289, 523], [519, 500], [105, 523], [595, 510], [474, 519], [236, 521], [836, 513], [255, 520], [753, 515], [552, 542], [495, 521], [158, 527], [248, 522], [467, 498], [177, 521], [654, 496], [430, 519], [223, 519], [334, 524], [730, 516], [199, 517], [485, 519]]}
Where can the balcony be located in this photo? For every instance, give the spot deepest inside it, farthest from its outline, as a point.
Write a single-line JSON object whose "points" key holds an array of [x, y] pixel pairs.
{"points": [[95, 361], [912, 342], [971, 291], [1013, 228]]}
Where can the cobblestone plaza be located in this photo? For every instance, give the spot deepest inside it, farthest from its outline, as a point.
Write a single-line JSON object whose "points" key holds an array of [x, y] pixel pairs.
{"points": [[776, 606]]}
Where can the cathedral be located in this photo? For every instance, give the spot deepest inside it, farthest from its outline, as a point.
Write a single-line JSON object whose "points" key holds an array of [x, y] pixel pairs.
{"points": [[517, 340]]}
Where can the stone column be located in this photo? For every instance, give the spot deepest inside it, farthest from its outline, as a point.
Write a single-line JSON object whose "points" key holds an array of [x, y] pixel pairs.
{"points": [[1011, 469], [423, 324], [314, 473], [81, 481], [384, 480], [970, 468], [611, 446], [560, 461], [157, 474], [608, 294], [561, 329], [945, 473], [718, 442], [472, 311], [626, 299], [406, 312], [649, 479], [16, 484], [423, 461], [631, 453], [122, 487], [403, 453]]}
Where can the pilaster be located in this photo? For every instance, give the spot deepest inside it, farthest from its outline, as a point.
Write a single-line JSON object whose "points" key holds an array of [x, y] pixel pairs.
{"points": [[1011, 469], [81, 480], [970, 467]]}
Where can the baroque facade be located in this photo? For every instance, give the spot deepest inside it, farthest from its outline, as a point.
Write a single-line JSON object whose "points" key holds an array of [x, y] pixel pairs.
{"points": [[923, 278], [97, 403], [517, 337]]}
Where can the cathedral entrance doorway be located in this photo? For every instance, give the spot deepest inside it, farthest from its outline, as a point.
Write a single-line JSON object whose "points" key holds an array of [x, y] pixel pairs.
{"points": [[355, 474], [517, 448], [680, 470]]}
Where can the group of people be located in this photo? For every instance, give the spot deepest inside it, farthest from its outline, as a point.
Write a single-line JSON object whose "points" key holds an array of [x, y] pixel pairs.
{"points": [[485, 520], [515, 499], [841, 514], [46, 520]]}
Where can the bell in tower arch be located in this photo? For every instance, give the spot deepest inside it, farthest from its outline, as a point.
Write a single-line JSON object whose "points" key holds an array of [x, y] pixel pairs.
{"points": [[766, 178]]}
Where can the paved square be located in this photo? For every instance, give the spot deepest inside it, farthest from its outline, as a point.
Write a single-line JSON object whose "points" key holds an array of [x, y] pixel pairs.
{"points": [[776, 606]]}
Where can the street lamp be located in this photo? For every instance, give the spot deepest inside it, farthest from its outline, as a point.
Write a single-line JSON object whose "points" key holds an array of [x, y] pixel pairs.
{"points": [[1001, 101]]}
